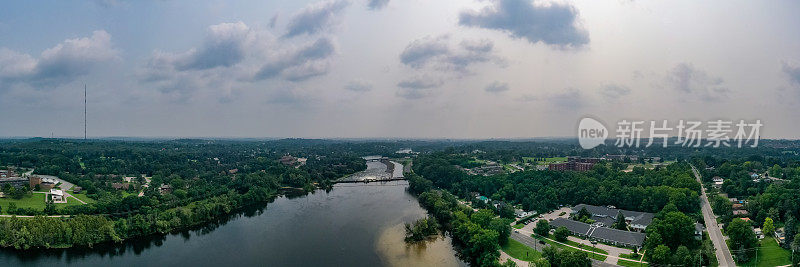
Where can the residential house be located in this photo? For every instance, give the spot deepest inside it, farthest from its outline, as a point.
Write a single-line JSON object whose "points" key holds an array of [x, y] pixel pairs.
{"points": [[602, 234]]}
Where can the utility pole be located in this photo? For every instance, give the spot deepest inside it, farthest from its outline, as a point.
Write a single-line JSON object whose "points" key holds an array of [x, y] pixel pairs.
{"points": [[84, 111]]}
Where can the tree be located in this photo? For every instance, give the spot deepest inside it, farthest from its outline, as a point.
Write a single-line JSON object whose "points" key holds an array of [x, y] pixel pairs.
{"points": [[620, 223], [583, 215], [561, 234], [542, 228], [742, 239], [675, 229], [790, 228], [660, 255], [768, 228], [683, 257]]}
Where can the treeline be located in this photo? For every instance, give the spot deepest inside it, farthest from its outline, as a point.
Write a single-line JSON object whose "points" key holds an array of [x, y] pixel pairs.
{"points": [[640, 190], [206, 180], [478, 235]]}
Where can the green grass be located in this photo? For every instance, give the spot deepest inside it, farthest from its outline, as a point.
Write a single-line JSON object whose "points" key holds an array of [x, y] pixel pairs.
{"points": [[631, 256], [591, 255], [622, 262], [770, 254], [82, 196], [520, 251], [35, 201], [586, 247], [519, 226]]}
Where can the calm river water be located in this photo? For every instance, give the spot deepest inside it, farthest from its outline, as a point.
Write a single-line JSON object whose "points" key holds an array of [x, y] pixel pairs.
{"points": [[352, 225]]}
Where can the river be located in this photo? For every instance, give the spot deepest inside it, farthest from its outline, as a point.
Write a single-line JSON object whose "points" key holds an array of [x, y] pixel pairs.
{"points": [[351, 225]]}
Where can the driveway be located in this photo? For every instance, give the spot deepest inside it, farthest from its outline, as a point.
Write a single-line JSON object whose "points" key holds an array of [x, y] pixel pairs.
{"points": [[722, 252]]}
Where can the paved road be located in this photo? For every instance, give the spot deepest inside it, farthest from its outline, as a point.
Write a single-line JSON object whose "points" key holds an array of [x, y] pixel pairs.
{"points": [[723, 253]]}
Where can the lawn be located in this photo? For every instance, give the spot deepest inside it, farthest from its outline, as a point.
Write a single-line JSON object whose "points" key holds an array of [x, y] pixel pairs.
{"points": [[519, 226], [622, 262], [82, 196], [586, 247], [770, 254], [520, 251], [632, 256], [35, 201], [553, 243]]}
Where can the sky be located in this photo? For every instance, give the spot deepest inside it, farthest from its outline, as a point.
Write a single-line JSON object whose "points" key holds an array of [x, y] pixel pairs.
{"points": [[393, 68]]}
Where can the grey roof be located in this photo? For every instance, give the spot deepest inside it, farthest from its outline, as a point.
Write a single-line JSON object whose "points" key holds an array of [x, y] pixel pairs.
{"points": [[625, 237], [610, 234], [573, 226], [643, 219], [638, 217]]}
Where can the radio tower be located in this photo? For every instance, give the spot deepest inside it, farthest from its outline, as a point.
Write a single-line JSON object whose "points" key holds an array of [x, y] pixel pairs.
{"points": [[84, 111]]}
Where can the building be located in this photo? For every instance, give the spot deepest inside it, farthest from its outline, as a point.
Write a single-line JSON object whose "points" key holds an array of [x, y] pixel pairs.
{"points": [[574, 164], [602, 234], [76, 189], [698, 231], [608, 215], [718, 181], [122, 186], [17, 182], [57, 196]]}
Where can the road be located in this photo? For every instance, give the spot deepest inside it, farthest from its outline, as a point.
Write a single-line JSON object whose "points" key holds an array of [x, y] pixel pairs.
{"points": [[723, 253]]}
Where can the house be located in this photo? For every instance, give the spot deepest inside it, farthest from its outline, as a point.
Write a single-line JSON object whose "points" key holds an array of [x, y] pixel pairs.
{"points": [[483, 198], [741, 213], [737, 206], [602, 234], [165, 189], [608, 215], [780, 236], [57, 196], [522, 214], [122, 186], [718, 181], [698, 231], [759, 233]]}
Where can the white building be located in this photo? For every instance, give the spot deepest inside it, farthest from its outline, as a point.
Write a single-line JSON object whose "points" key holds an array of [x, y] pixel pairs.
{"points": [[57, 195]]}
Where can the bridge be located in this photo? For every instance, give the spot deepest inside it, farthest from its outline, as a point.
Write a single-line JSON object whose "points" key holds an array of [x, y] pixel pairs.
{"points": [[369, 180]]}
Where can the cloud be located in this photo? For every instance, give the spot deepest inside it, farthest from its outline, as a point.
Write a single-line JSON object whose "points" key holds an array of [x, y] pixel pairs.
{"points": [[496, 87], [273, 21], [418, 87], [302, 64], [358, 86], [437, 53], [224, 47], [553, 24], [377, 4], [60, 64], [613, 91], [570, 98], [695, 83], [315, 18], [793, 73]]}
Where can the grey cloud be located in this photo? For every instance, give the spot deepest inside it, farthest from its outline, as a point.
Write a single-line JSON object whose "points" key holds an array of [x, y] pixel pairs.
{"points": [[793, 73], [688, 80], [273, 21], [613, 91], [496, 87], [437, 53], [305, 63], [418, 87], [570, 98], [358, 86], [377, 4], [57, 65], [553, 24], [315, 18], [224, 47]]}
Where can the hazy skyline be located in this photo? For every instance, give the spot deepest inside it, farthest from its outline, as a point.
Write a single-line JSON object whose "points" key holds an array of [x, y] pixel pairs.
{"points": [[392, 68]]}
